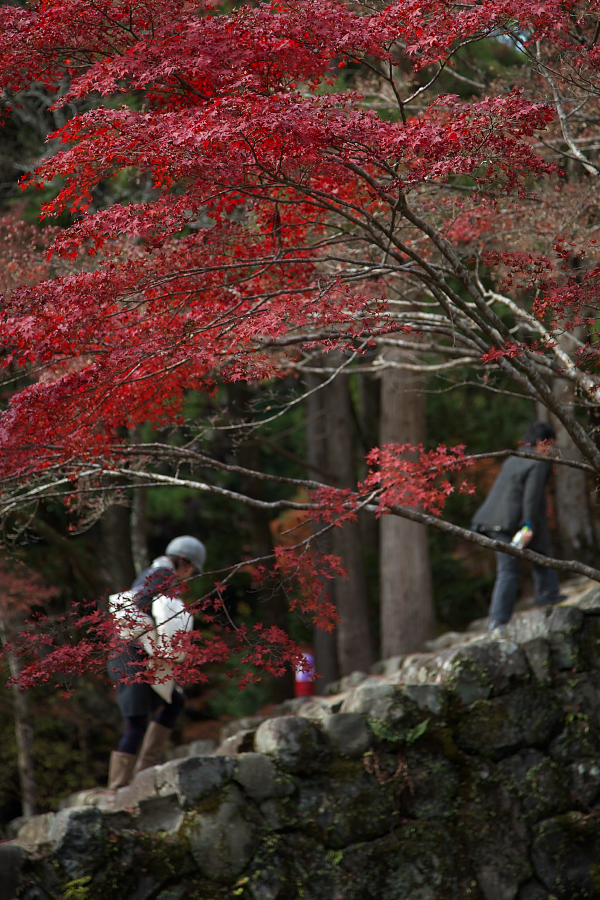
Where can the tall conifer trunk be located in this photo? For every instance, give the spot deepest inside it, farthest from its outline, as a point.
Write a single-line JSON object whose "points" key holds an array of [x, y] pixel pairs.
{"points": [[272, 606], [117, 563], [324, 642], [354, 643], [23, 725], [407, 613], [572, 492]]}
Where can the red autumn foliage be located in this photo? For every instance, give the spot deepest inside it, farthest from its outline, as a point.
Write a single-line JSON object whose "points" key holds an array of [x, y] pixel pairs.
{"points": [[285, 216]]}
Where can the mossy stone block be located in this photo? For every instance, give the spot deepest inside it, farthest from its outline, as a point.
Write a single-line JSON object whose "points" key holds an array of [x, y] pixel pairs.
{"points": [[501, 725]]}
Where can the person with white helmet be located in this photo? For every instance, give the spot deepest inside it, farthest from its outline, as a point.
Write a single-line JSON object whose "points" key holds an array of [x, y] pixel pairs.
{"points": [[184, 557]]}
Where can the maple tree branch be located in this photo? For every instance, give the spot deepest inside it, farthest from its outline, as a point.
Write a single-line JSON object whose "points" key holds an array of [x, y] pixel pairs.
{"points": [[158, 451], [561, 565], [589, 167]]}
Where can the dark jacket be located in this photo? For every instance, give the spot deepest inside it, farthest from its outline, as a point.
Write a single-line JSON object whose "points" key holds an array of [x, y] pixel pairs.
{"points": [[517, 496], [141, 699]]}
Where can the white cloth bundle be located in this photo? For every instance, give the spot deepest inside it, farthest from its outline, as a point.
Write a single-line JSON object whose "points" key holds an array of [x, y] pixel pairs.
{"points": [[155, 633]]}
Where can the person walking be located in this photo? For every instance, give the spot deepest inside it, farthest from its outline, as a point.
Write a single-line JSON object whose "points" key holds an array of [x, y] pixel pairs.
{"points": [[143, 745], [517, 504]]}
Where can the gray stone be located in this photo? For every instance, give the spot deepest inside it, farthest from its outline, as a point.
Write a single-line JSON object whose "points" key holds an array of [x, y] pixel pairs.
{"points": [[544, 622], [345, 807], [475, 670], [588, 641], [289, 707], [316, 709], [590, 602], [103, 798], [430, 697], [496, 883], [532, 890], [11, 870], [260, 779], [202, 748], [498, 665], [78, 837], [271, 811], [146, 888], [392, 665], [537, 651], [35, 830], [35, 893], [240, 742], [291, 740], [248, 723], [565, 855], [448, 639], [372, 698], [347, 733], [222, 842], [496, 727], [433, 787], [348, 682], [142, 787], [195, 748], [556, 624], [539, 784], [193, 778], [160, 814], [14, 826], [584, 782], [415, 668], [172, 893]]}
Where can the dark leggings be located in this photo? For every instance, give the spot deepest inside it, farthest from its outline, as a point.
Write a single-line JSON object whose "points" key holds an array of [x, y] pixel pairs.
{"points": [[135, 726]]}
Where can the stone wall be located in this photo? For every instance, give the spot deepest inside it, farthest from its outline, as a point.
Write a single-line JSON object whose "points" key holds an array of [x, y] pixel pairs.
{"points": [[467, 773]]}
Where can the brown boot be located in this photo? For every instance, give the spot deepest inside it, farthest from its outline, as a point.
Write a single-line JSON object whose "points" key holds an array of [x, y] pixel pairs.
{"points": [[153, 748], [120, 770]]}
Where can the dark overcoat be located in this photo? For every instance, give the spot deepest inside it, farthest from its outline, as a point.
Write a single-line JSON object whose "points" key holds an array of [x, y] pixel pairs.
{"points": [[518, 496]]}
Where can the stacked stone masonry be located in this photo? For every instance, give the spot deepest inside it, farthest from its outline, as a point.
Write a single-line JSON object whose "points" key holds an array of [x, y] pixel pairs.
{"points": [[470, 772]]}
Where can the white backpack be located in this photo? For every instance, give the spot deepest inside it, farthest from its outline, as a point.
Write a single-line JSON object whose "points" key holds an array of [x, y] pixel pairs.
{"points": [[155, 633]]}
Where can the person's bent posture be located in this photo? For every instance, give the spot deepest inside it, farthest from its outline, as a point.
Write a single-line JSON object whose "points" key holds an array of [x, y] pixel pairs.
{"points": [[515, 511], [140, 613]]}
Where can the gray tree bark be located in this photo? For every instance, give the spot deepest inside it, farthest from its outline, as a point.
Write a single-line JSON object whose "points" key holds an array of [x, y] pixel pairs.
{"points": [[117, 563], [138, 522], [23, 728], [139, 530], [324, 642], [407, 612], [572, 491], [272, 607], [354, 644]]}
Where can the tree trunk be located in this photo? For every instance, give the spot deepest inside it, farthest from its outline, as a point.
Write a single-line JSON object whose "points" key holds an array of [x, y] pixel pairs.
{"points": [[354, 644], [324, 642], [139, 530], [572, 492], [138, 520], [23, 733], [272, 608], [407, 611], [117, 560]]}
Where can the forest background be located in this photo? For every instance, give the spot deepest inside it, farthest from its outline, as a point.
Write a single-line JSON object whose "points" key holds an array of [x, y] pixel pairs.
{"points": [[426, 386]]}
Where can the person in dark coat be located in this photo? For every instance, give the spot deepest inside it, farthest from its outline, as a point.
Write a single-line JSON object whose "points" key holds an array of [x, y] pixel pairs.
{"points": [[517, 500], [184, 557]]}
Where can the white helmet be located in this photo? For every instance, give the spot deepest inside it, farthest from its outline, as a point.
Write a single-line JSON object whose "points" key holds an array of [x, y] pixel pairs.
{"points": [[190, 548]]}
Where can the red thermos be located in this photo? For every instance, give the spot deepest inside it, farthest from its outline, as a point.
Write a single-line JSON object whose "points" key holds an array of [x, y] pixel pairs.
{"points": [[304, 680]]}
